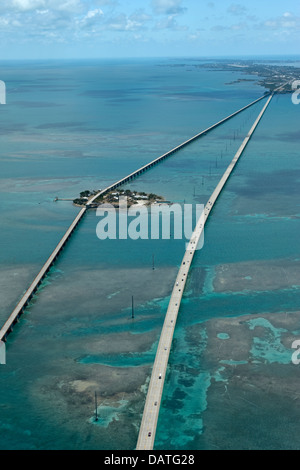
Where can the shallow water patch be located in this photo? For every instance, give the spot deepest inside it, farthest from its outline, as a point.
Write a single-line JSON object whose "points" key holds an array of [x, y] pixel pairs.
{"points": [[268, 347]]}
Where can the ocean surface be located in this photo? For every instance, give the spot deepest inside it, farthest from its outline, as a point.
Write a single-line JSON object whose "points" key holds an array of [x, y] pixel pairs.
{"points": [[71, 126]]}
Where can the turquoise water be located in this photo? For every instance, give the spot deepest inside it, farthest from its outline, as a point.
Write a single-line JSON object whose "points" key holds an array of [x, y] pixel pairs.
{"points": [[256, 220], [72, 126]]}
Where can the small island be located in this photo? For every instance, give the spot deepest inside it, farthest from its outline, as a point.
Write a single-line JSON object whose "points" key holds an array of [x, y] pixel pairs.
{"points": [[113, 198]]}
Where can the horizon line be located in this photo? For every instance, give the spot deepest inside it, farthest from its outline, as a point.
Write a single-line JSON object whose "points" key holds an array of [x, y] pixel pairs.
{"points": [[190, 57]]}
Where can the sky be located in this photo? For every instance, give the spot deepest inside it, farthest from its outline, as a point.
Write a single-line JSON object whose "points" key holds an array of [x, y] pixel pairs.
{"points": [[41, 29]]}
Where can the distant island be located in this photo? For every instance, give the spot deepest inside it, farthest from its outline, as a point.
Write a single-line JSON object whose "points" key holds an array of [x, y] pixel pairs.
{"points": [[113, 198], [272, 76]]}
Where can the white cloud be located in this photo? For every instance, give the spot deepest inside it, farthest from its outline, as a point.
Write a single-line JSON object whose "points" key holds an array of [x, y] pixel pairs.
{"points": [[285, 22], [271, 24], [237, 9], [71, 6], [196, 35], [4, 22], [289, 24], [123, 22], [90, 20], [168, 7], [93, 13], [30, 6], [168, 23], [68, 20], [141, 16], [279, 29], [27, 5], [239, 27], [75, 22]]}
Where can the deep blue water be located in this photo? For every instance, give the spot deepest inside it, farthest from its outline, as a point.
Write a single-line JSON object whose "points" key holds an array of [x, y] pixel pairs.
{"points": [[73, 126]]}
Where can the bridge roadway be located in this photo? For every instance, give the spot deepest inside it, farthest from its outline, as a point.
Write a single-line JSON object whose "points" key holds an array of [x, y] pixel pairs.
{"points": [[169, 153], [22, 304], [19, 309], [152, 406]]}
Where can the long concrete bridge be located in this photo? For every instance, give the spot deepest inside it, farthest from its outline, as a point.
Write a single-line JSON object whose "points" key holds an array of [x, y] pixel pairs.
{"points": [[148, 426], [169, 153], [23, 303]]}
